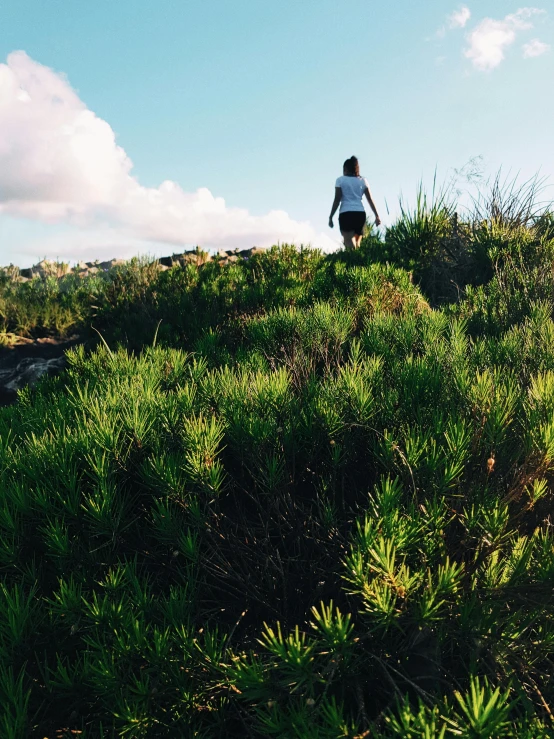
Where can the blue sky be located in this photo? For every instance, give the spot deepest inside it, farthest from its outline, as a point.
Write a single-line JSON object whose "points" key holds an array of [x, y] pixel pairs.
{"points": [[255, 104]]}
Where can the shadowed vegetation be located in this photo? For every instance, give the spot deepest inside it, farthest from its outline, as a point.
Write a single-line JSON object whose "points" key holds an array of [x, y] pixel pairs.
{"points": [[317, 504]]}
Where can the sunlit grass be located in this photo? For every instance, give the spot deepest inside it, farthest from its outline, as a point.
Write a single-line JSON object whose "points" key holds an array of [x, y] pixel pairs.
{"points": [[316, 507]]}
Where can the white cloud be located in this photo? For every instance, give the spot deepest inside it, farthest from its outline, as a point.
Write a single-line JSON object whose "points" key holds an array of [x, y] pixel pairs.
{"points": [[60, 163], [490, 38], [459, 18], [535, 48]]}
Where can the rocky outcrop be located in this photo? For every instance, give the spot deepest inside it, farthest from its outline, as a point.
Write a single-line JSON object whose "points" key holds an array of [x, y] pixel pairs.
{"points": [[48, 268], [25, 363], [27, 372], [188, 257], [234, 255], [111, 264]]}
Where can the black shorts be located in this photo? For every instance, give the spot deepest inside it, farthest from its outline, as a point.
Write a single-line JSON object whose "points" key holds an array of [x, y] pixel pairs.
{"points": [[352, 221]]}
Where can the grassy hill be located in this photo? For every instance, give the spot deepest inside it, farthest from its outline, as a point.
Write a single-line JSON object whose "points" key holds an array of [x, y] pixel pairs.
{"points": [[293, 495]]}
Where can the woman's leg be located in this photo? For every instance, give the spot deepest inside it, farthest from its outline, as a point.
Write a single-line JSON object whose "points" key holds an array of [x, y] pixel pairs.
{"points": [[348, 237], [361, 217]]}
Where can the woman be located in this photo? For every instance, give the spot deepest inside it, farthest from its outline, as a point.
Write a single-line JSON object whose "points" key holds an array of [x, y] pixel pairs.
{"points": [[349, 191]]}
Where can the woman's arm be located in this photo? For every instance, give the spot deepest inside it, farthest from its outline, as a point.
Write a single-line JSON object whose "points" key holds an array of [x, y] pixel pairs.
{"points": [[372, 206], [336, 203]]}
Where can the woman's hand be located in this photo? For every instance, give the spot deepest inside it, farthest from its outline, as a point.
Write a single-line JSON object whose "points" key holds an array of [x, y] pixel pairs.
{"points": [[377, 221], [330, 222]]}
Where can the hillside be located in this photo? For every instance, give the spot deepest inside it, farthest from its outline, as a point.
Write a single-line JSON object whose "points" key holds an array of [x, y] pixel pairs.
{"points": [[289, 495]]}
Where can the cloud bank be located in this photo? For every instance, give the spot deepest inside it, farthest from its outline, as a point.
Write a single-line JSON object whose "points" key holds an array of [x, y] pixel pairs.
{"points": [[60, 163], [489, 40]]}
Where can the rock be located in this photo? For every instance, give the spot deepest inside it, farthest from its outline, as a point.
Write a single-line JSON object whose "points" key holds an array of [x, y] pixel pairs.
{"points": [[28, 371], [247, 253], [111, 263], [11, 272], [20, 278], [175, 260], [161, 267], [189, 257], [92, 271], [27, 272], [233, 258], [193, 256], [92, 264], [49, 268], [80, 266], [24, 361], [222, 254], [166, 262], [45, 267]]}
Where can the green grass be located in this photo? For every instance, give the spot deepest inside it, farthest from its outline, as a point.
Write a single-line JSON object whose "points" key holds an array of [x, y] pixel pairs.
{"points": [[313, 506]]}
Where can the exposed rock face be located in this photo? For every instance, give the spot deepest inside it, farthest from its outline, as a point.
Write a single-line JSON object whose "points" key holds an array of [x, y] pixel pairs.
{"points": [[25, 361], [48, 268], [247, 253], [235, 255], [111, 263], [28, 371], [25, 364]]}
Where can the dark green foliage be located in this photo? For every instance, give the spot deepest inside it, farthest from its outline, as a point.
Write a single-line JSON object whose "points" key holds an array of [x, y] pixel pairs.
{"points": [[46, 306], [195, 303], [156, 512], [325, 512]]}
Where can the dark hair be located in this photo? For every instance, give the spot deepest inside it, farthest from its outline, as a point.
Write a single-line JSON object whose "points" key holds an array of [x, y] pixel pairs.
{"points": [[352, 167]]}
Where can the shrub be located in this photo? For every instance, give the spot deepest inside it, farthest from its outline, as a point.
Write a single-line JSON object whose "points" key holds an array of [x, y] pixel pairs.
{"points": [[324, 512]]}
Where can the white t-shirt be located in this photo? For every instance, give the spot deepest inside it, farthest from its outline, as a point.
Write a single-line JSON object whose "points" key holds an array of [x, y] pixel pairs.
{"points": [[352, 189]]}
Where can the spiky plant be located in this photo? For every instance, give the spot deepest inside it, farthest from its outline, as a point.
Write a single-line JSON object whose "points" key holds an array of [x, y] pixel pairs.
{"points": [[324, 513]]}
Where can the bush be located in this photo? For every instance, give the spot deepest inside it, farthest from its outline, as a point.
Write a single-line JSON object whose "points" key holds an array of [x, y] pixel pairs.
{"points": [[324, 511], [156, 512]]}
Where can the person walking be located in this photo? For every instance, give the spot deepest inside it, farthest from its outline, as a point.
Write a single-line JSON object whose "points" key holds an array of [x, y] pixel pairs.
{"points": [[349, 191]]}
